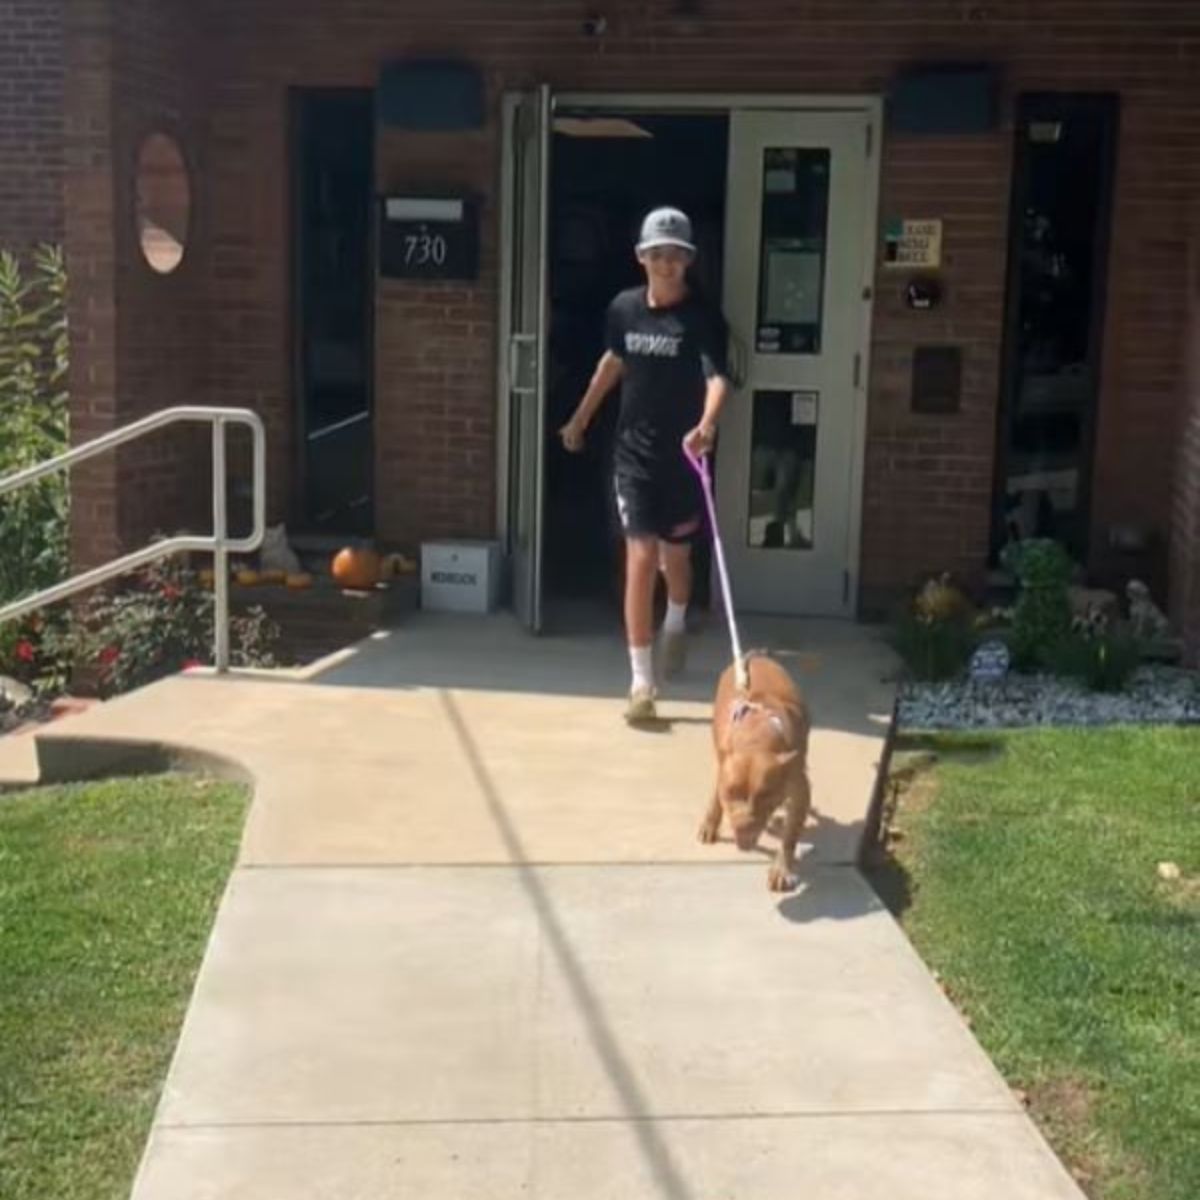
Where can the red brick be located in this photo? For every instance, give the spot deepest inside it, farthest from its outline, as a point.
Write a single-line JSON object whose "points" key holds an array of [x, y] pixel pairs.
{"points": [[31, 123]]}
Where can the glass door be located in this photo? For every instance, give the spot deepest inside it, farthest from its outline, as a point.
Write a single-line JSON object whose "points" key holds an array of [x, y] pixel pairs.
{"points": [[795, 248]]}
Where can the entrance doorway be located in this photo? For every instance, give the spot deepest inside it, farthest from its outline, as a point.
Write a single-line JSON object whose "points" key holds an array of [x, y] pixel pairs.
{"points": [[333, 139], [782, 193], [607, 173]]}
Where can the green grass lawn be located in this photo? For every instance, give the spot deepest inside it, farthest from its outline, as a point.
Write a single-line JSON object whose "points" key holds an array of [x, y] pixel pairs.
{"points": [[107, 894], [1026, 868]]}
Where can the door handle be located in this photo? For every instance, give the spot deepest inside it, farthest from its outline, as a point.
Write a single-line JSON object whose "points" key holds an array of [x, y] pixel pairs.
{"points": [[737, 361], [518, 346]]}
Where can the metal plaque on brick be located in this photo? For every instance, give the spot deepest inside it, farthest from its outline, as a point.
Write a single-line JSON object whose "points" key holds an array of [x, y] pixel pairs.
{"points": [[913, 244], [429, 238]]}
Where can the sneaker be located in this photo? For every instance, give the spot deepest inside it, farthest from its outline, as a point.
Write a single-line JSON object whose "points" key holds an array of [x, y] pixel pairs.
{"points": [[640, 708], [673, 651]]}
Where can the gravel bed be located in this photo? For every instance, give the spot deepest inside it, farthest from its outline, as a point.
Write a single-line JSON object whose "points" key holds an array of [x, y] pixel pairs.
{"points": [[1156, 696]]}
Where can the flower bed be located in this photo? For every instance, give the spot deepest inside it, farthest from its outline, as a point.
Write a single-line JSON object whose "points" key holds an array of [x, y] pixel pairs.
{"points": [[1060, 655]]}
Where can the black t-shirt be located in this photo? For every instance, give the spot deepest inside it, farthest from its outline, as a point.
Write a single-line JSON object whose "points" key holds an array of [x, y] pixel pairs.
{"points": [[668, 355]]}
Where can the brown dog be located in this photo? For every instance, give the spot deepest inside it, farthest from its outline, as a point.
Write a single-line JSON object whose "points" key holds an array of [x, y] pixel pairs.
{"points": [[761, 742]]}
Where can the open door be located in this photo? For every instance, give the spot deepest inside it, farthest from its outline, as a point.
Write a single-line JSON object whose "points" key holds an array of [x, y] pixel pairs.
{"points": [[523, 338], [796, 249]]}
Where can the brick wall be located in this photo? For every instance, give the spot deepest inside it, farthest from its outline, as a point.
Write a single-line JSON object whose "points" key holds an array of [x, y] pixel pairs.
{"points": [[1185, 539], [435, 353], [91, 266], [31, 122], [928, 479], [162, 342], [927, 503], [139, 339]]}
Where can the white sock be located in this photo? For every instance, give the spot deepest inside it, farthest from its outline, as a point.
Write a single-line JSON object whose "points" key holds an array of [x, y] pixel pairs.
{"points": [[641, 659], [675, 618]]}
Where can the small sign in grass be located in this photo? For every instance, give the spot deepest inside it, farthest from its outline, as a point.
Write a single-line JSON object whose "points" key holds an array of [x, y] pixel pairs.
{"points": [[107, 894], [1052, 880]]}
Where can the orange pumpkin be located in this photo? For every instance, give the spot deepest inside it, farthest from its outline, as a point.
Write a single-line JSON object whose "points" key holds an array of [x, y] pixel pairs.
{"points": [[356, 568], [299, 581]]}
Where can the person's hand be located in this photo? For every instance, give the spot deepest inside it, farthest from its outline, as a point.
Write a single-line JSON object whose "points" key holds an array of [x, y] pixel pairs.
{"points": [[572, 435], [700, 440]]}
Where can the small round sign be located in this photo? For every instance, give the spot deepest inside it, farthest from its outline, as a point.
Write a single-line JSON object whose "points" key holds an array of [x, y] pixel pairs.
{"points": [[990, 662]]}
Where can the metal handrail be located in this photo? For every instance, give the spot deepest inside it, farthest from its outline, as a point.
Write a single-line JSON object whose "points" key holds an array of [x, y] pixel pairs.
{"points": [[219, 542]]}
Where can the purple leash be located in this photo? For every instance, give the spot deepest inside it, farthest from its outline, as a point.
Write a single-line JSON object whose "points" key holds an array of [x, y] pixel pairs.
{"points": [[700, 466]]}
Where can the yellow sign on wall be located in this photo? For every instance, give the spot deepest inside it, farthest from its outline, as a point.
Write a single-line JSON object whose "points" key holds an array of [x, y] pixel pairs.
{"points": [[913, 244]]}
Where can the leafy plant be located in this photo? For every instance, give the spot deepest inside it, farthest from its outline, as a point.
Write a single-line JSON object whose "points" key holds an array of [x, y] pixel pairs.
{"points": [[162, 624], [36, 651], [1103, 662], [1042, 616], [33, 419], [940, 600], [933, 650], [935, 634]]}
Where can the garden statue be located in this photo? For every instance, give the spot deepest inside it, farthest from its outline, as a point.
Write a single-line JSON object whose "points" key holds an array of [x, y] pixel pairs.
{"points": [[1145, 616]]}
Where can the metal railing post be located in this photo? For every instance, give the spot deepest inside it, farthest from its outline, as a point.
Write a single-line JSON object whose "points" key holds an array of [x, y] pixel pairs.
{"points": [[219, 543], [220, 550]]}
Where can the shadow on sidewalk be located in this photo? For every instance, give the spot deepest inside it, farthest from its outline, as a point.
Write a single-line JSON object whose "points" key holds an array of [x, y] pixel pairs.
{"points": [[658, 1157]]}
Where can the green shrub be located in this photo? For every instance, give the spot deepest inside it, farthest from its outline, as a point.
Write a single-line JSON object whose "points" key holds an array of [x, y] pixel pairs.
{"points": [[33, 420], [161, 624], [1102, 662], [1042, 616], [933, 650], [36, 651]]}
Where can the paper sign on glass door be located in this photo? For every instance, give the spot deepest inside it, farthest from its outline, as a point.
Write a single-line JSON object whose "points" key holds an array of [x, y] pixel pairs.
{"points": [[804, 408]]}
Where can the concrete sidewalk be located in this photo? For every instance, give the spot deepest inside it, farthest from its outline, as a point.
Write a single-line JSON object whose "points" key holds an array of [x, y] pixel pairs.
{"points": [[472, 947]]}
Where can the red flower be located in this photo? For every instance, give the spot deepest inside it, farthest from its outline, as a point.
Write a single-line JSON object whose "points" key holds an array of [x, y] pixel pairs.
{"points": [[171, 591], [25, 652], [190, 664], [108, 656]]}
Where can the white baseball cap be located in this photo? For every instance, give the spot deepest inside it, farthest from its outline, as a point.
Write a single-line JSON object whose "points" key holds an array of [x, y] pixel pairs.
{"points": [[666, 227]]}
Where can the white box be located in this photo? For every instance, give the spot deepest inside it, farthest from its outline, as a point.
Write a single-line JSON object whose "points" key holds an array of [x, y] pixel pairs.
{"points": [[460, 576]]}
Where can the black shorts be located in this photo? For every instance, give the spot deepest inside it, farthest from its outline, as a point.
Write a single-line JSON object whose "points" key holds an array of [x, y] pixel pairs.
{"points": [[657, 504]]}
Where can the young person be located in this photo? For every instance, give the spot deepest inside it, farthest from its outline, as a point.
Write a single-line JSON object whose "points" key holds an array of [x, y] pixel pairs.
{"points": [[666, 346]]}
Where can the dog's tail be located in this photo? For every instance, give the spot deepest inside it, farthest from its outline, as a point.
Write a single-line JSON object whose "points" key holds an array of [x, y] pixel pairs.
{"points": [[807, 660]]}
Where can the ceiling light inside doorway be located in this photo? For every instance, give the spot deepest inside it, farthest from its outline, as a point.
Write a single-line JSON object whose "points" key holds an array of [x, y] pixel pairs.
{"points": [[599, 127], [1045, 133]]}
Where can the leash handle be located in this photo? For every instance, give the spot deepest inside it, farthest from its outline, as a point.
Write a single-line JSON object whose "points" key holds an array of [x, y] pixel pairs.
{"points": [[699, 464]]}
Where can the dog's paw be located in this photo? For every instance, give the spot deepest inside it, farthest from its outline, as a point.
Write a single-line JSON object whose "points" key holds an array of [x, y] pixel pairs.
{"points": [[709, 832], [779, 879]]}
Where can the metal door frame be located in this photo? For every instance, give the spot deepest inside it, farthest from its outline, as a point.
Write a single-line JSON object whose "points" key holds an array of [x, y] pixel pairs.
{"points": [[511, 102], [711, 102]]}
